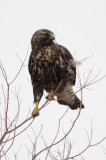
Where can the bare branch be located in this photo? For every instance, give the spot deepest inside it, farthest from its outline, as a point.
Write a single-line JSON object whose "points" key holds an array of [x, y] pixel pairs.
{"points": [[62, 137], [20, 68], [89, 146]]}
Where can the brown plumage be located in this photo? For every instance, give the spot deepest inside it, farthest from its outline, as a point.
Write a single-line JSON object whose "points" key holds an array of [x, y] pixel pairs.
{"points": [[50, 64]]}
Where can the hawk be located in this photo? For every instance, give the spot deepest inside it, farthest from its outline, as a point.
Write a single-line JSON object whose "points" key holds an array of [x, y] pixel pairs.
{"points": [[53, 69]]}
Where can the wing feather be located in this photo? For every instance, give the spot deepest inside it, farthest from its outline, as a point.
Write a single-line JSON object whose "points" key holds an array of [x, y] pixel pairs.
{"points": [[71, 65]]}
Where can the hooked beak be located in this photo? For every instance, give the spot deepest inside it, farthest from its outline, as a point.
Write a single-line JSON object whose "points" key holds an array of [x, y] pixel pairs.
{"points": [[52, 37]]}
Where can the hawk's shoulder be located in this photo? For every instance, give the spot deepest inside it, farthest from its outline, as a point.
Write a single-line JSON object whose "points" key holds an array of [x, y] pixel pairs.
{"points": [[71, 64], [66, 52]]}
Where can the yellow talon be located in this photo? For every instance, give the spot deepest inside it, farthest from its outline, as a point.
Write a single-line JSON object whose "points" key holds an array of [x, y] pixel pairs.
{"points": [[51, 95], [35, 111]]}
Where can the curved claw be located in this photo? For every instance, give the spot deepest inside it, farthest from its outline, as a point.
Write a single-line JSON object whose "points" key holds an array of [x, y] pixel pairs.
{"points": [[50, 96]]}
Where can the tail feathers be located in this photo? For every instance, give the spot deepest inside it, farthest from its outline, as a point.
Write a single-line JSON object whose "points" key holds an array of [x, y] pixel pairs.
{"points": [[77, 103]]}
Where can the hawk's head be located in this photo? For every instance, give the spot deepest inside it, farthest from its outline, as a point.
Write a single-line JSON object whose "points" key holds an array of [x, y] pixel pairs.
{"points": [[42, 37]]}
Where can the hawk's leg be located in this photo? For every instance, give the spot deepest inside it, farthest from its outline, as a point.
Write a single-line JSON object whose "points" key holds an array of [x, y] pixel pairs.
{"points": [[38, 92], [35, 111], [50, 96]]}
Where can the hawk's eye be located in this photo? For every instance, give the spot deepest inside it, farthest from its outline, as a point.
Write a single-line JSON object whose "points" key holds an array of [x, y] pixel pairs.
{"points": [[47, 35]]}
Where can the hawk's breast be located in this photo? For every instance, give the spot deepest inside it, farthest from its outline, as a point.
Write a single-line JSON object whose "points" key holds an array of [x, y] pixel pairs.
{"points": [[45, 68]]}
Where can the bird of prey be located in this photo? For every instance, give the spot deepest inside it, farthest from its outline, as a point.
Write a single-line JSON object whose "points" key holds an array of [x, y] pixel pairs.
{"points": [[53, 69]]}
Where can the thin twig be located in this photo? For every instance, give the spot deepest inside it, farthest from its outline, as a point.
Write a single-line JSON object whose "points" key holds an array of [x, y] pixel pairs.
{"points": [[20, 68]]}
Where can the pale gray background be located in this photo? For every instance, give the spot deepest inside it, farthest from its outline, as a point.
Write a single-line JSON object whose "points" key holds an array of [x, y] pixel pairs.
{"points": [[79, 25]]}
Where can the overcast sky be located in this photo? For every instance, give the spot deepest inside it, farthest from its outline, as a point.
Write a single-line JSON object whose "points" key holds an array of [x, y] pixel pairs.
{"points": [[79, 25]]}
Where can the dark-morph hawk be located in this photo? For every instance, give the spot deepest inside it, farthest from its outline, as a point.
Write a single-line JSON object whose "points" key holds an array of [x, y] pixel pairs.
{"points": [[53, 69]]}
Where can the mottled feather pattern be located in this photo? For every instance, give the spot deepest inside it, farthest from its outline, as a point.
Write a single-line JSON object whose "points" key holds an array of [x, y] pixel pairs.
{"points": [[50, 63]]}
